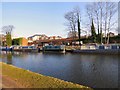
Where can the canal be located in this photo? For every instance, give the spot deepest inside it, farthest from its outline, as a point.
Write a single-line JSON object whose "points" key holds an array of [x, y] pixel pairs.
{"points": [[96, 71]]}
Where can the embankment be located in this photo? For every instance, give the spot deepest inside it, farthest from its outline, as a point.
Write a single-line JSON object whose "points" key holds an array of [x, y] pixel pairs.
{"points": [[30, 79]]}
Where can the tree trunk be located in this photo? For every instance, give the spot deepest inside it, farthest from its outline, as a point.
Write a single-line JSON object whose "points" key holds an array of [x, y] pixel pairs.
{"points": [[79, 33]]}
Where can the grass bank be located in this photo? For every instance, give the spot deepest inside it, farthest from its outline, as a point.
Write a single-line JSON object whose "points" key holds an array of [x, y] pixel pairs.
{"points": [[33, 80]]}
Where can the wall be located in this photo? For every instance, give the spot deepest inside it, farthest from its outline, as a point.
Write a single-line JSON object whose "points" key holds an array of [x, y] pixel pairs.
{"points": [[24, 42]]}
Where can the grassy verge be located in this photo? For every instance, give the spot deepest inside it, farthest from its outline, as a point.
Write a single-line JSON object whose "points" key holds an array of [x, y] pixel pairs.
{"points": [[33, 80]]}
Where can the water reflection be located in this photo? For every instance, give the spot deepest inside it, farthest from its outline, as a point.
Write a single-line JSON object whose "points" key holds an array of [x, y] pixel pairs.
{"points": [[90, 70], [9, 57]]}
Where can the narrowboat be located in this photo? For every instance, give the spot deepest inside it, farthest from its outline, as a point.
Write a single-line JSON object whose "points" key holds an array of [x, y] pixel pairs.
{"points": [[54, 48]]}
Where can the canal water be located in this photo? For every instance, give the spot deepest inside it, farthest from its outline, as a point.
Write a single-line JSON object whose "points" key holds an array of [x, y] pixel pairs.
{"points": [[96, 71]]}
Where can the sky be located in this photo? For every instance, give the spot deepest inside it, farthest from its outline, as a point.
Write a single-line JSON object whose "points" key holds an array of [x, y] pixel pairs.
{"points": [[31, 18]]}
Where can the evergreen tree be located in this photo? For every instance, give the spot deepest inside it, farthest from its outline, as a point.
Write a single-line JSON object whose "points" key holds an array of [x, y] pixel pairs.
{"points": [[79, 32], [8, 39], [93, 33]]}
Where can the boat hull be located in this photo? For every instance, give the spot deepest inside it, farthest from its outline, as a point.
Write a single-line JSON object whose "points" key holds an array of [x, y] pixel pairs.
{"points": [[7, 49], [53, 49]]}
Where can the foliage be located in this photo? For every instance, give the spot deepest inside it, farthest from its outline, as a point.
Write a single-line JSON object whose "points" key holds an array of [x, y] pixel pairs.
{"points": [[115, 39], [8, 39], [98, 38], [17, 41]]}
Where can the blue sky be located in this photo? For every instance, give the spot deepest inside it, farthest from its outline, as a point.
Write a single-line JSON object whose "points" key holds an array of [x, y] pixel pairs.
{"points": [[31, 18], [37, 18]]}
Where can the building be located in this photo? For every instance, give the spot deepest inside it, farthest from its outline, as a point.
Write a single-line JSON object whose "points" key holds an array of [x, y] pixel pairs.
{"points": [[55, 37], [32, 40], [2, 40], [72, 34], [37, 37], [20, 41]]}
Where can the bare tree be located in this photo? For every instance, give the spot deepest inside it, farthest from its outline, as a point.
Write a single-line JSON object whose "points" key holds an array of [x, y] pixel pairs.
{"points": [[111, 12], [101, 6], [96, 11], [102, 13], [93, 12], [73, 18], [106, 18], [89, 10], [7, 29], [72, 21]]}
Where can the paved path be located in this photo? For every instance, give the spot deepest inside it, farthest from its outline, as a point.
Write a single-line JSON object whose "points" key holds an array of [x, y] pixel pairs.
{"points": [[9, 83]]}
